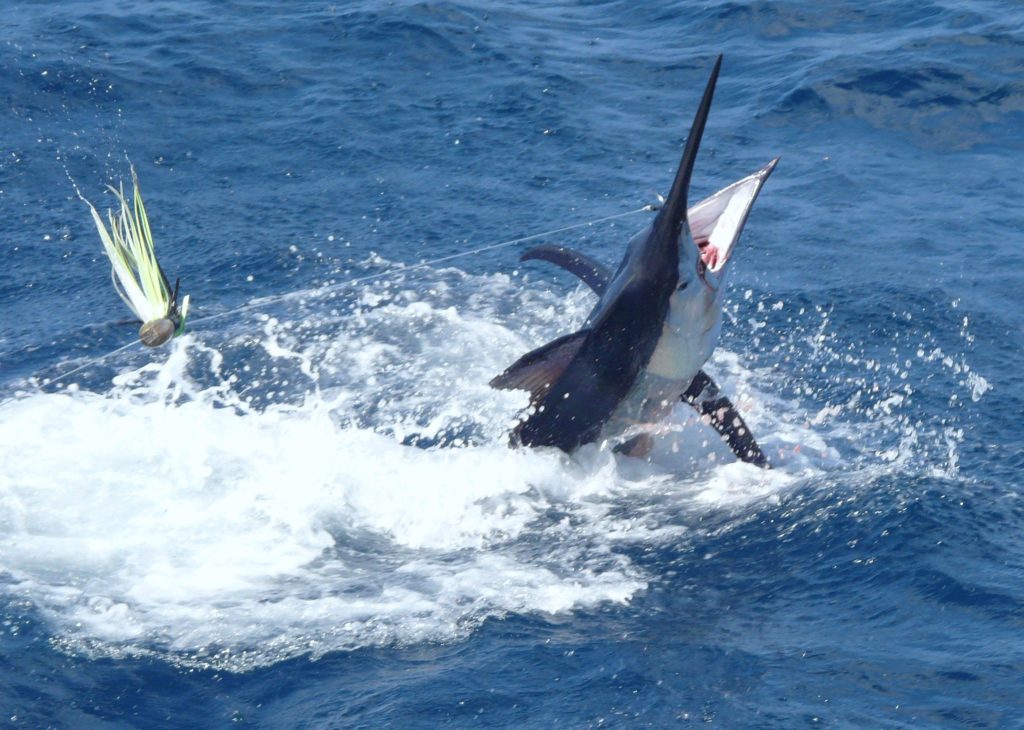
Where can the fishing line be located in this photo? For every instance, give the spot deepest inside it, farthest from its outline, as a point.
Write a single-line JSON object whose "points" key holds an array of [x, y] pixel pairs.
{"points": [[94, 361], [273, 299], [357, 280]]}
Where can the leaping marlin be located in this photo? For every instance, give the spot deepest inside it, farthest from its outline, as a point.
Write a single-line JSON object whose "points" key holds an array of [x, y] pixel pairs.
{"points": [[656, 323]]}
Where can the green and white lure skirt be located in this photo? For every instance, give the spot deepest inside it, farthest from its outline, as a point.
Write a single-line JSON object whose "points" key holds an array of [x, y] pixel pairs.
{"points": [[138, 278]]}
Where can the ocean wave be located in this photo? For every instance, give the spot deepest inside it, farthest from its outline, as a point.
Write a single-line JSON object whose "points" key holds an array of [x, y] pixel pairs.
{"points": [[319, 479]]}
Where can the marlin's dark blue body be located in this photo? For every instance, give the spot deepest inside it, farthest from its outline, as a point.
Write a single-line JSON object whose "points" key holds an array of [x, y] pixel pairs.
{"points": [[642, 347]]}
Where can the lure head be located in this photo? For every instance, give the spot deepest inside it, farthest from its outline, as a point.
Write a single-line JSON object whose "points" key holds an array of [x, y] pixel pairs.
{"points": [[156, 332]]}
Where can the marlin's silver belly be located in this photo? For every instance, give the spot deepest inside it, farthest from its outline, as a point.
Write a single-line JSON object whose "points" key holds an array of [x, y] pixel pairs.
{"points": [[687, 340], [650, 399]]}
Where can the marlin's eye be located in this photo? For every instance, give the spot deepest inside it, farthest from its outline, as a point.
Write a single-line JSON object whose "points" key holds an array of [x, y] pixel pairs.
{"points": [[682, 285]]}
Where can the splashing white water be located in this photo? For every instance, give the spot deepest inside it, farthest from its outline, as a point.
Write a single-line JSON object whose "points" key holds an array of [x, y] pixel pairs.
{"points": [[258, 497]]}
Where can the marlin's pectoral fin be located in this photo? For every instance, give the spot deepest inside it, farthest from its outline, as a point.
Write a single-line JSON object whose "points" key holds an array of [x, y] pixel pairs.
{"points": [[704, 395], [538, 369], [593, 273]]}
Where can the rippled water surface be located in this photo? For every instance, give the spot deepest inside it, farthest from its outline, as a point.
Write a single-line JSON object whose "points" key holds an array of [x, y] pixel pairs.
{"points": [[304, 513]]}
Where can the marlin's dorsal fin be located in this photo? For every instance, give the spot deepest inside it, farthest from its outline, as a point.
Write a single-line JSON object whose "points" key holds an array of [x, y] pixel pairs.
{"points": [[704, 395], [538, 369], [593, 273]]}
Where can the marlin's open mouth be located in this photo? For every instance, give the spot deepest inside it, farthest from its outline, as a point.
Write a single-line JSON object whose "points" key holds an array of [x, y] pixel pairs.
{"points": [[717, 221]]}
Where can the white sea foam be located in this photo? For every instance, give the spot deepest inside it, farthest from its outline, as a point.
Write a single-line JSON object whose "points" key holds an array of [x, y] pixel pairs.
{"points": [[256, 495]]}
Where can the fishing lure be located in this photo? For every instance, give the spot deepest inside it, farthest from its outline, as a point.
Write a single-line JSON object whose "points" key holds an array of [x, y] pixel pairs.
{"points": [[137, 275]]}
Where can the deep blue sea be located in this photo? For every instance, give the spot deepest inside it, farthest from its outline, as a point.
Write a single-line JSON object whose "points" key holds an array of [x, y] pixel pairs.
{"points": [[304, 513]]}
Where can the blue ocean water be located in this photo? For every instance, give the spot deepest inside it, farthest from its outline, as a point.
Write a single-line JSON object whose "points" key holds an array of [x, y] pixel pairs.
{"points": [[304, 512]]}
